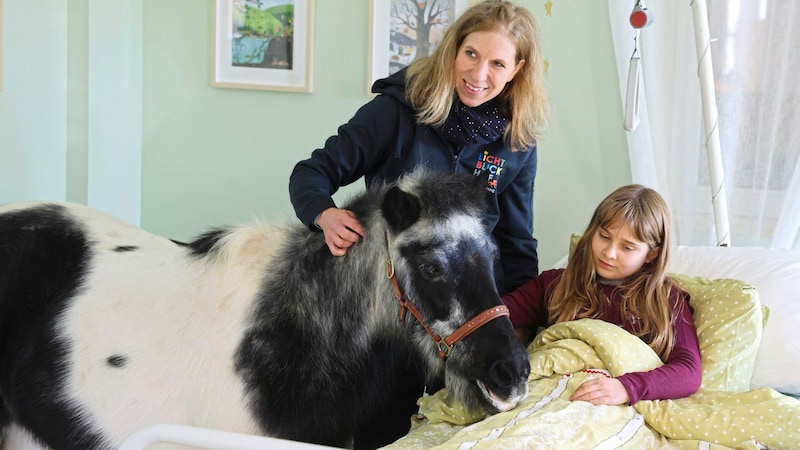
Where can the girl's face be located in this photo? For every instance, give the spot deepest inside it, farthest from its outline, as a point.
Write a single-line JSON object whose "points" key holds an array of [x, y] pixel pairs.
{"points": [[617, 254], [483, 66]]}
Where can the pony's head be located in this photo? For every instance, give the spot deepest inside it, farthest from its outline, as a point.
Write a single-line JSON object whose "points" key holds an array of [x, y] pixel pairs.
{"points": [[442, 265]]}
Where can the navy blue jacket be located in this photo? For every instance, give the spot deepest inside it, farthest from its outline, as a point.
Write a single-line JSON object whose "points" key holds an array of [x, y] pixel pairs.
{"points": [[382, 141]]}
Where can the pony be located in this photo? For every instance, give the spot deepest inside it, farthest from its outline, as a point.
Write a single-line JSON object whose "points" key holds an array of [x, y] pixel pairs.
{"points": [[257, 329]]}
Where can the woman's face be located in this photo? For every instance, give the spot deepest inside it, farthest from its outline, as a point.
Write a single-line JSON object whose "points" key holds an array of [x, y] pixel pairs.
{"points": [[483, 66], [618, 254]]}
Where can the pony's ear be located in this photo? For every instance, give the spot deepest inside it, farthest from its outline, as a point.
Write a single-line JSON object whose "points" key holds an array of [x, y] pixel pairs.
{"points": [[400, 208]]}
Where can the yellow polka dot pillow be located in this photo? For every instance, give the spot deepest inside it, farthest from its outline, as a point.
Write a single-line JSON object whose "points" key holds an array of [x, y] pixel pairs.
{"points": [[729, 320], [775, 273]]}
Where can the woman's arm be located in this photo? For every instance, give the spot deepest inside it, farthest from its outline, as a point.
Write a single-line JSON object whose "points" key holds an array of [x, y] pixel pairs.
{"points": [[358, 146]]}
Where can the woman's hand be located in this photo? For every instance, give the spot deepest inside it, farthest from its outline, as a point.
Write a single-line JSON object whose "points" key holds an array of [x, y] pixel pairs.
{"points": [[601, 391], [341, 229]]}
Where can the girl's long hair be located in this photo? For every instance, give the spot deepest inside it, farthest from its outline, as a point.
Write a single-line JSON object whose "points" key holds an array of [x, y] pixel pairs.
{"points": [[645, 293], [430, 81]]}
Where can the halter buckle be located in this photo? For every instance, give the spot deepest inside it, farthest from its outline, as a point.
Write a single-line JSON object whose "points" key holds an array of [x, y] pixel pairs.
{"points": [[444, 348]]}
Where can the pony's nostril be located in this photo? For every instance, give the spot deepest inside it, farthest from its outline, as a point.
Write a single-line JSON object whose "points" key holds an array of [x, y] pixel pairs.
{"points": [[509, 372], [502, 374]]}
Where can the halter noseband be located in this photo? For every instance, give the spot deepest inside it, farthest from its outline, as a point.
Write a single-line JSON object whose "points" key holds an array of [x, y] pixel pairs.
{"points": [[445, 345]]}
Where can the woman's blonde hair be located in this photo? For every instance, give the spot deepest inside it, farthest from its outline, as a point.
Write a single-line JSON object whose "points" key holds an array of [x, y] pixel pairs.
{"points": [[645, 293], [430, 81]]}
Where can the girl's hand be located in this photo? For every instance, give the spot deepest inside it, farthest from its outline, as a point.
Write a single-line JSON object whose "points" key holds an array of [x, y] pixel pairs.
{"points": [[341, 229], [601, 391]]}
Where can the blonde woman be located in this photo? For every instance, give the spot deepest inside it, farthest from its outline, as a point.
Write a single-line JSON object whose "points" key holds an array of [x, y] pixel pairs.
{"points": [[476, 105]]}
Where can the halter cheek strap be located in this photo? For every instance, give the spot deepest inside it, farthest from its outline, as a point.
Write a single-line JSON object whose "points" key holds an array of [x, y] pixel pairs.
{"points": [[445, 345]]}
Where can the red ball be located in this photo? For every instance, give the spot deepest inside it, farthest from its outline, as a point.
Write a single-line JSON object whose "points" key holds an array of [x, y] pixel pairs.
{"points": [[638, 19]]}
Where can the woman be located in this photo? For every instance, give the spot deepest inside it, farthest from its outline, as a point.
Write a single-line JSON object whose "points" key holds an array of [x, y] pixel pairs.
{"points": [[476, 105]]}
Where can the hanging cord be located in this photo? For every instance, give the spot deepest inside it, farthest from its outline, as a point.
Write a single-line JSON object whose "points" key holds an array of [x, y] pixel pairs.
{"points": [[638, 19], [632, 93]]}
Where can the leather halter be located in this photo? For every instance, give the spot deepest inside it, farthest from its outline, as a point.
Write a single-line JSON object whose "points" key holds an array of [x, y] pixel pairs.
{"points": [[445, 345]]}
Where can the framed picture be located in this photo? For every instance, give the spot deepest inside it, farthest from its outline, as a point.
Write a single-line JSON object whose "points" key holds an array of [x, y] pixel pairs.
{"points": [[263, 44], [402, 30], [1, 45]]}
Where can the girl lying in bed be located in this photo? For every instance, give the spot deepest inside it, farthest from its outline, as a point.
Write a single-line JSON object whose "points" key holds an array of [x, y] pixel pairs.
{"points": [[617, 274]]}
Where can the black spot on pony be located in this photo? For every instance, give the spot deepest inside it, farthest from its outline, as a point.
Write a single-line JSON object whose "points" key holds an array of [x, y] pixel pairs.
{"points": [[105, 329]]}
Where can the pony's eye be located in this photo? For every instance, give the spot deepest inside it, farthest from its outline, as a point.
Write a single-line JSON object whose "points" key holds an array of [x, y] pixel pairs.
{"points": [[429, 271]]}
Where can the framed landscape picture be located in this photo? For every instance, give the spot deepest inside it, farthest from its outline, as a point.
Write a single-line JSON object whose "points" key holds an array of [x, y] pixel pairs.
{"points": [[1, 45], [402, 30], [263, 44]]}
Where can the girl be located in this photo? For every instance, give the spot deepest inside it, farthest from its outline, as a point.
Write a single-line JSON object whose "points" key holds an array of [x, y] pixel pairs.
{"points": [[617, 274]]}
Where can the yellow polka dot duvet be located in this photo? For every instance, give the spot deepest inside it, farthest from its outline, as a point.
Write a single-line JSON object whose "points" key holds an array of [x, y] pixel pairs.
{"points": [[565, 355]]}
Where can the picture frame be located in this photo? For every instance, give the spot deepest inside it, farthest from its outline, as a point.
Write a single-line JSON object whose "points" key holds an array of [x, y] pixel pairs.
{"points": [[1, 45], [263, 44], [393, 39]]}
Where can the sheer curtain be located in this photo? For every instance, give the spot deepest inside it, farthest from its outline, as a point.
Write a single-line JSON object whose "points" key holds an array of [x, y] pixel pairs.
{"points": [[756, 65]]}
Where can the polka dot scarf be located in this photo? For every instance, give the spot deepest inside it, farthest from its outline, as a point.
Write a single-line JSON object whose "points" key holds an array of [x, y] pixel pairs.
{"points": [[479, 125]]}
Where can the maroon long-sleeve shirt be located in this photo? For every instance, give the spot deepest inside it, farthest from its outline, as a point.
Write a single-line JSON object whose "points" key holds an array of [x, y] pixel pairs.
{"points": [[681, 374]]}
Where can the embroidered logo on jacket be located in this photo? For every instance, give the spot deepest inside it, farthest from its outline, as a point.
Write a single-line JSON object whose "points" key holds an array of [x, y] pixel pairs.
{"points": [[493, 165]]}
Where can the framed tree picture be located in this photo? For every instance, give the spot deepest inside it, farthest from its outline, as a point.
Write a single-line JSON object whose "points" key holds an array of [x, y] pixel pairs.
{"points": [[403, 30], [263, 44]]}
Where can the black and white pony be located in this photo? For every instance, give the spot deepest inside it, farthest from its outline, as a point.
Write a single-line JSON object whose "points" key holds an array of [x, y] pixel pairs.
{"points": [[105, 329]]}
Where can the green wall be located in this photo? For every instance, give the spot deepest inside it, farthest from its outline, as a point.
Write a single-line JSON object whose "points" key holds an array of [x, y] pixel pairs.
{"points": [[210, 156], [33, 123]]}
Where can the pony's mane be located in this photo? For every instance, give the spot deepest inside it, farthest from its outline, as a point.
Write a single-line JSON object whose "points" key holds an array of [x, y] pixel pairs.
{"points": [[256, 242], [440, 195], [446, 193]]}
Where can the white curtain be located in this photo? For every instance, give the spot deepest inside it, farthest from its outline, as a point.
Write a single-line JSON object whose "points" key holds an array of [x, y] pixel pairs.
{"points": [[756, 67]]}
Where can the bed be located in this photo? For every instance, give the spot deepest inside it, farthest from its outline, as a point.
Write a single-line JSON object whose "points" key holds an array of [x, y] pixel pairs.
{"points": [[746, 304], [747, 309]]}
